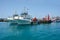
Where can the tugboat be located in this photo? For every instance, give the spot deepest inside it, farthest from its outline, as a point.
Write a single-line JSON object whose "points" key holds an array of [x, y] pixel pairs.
{"points": [[46, 20]]}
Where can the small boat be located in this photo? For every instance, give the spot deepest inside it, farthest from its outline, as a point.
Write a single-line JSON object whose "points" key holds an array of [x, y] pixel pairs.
{"points": [[57, 20], [34, 21]]}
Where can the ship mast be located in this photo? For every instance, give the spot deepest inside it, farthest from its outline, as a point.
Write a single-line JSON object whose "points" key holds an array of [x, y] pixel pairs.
{"points": [[48, 17], [25, 10]]}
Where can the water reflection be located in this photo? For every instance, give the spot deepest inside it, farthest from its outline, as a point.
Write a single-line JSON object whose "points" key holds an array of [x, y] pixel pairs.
{"points": [[20, 28]]}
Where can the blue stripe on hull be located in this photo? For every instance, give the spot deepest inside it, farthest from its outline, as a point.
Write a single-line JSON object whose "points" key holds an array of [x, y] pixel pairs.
{"points": [[20, 21]]}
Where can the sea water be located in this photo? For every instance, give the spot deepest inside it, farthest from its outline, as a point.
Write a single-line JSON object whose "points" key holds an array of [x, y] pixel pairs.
{"points": [[29, 32]]}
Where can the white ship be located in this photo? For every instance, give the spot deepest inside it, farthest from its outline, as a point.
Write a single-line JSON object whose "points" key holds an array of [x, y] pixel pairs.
{"points": [[24, 18]]}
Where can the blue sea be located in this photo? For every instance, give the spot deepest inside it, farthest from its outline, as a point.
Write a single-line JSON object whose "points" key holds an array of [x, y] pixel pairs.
{"points": [[29, 32]]}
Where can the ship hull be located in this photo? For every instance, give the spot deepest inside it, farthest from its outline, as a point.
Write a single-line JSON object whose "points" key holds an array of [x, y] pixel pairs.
{"points": [[46, 22], [57, 20], [21, 22]]}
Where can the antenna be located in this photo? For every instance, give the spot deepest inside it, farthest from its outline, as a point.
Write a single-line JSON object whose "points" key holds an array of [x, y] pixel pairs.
{"points": [[15, 12], [25, 10]]}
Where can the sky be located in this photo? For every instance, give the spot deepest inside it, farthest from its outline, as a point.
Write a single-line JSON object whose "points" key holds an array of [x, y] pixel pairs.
{"points": [[36, 8]]}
